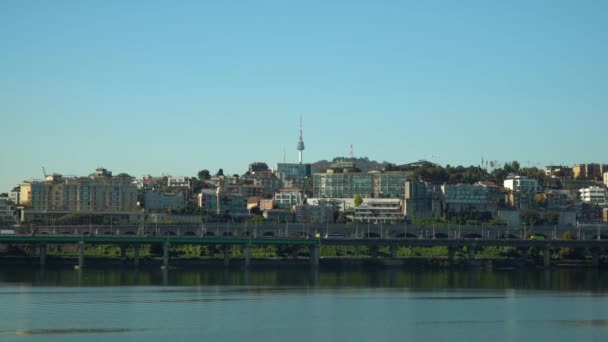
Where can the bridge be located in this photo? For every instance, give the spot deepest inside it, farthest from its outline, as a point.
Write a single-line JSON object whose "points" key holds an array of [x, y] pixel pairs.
{"points": [[291, 230], [595, 239]]}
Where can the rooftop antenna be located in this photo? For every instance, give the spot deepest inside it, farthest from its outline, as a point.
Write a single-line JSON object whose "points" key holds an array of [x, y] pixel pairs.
{"points": [[351, 152], [284, 154]]}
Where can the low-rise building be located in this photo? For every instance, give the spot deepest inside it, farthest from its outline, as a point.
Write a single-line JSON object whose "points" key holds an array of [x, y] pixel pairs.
{"points": [[481, 197], [219, 202], [520, 183], [593, 194], [179, 182], [293, 170], [520, 199], [7, 216], [15, 195], [379, 211], [314, 214], [422, 200], [266, 179], [253, 202], [266, 204], [557, 199], [155, 200], [558, 171], [286, 198], [279, 215]]}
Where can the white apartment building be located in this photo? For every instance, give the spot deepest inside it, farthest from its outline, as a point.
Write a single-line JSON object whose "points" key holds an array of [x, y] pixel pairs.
{"points": [[606, 178], [520, 183], [178, 182], [593, 194]]}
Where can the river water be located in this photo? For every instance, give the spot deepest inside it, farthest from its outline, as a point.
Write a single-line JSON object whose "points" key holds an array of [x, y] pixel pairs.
{"points": [[301, 305]]}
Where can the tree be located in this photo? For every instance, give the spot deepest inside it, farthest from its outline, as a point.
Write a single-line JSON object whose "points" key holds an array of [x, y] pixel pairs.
{"points": [[220, 172], [204, 174], [358, 200], [540, 200]]}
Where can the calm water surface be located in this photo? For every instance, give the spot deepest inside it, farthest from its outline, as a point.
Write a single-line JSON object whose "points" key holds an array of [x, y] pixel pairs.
{"points": [[280, 305]]}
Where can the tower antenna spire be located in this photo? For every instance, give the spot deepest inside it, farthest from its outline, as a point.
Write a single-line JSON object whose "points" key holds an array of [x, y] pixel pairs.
{"points": [[300, 147]]}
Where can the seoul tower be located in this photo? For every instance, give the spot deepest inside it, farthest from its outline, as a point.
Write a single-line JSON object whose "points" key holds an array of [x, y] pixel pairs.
{"points": [[300, 143]]}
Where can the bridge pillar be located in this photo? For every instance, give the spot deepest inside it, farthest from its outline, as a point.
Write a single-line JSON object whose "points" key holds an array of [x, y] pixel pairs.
{"points": [[123, 251], [136, 255], [43, 255], [471, 253], [314, 255], [547, 257], [394, 250], [451, 252], [166, 246], [248, 255], [595, 257], [80, 265], [226, 255], [373, 251]]}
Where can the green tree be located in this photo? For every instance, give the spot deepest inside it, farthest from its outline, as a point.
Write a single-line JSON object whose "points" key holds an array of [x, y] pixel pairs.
{"points": [[220, 172], [204, 174], [358, 200]]}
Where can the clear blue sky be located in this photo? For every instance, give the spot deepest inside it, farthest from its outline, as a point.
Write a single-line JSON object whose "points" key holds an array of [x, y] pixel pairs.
{"points": [[151, 87]]}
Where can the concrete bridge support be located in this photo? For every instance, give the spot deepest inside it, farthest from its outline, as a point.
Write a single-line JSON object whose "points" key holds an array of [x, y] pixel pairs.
{"points": [[451, 253], [80, 265], [43, 255], [248, 255], [136, 255], [166, 246], [123, 251], [547, 257], [373, 251], [394, 249], [471, 254], [314, 256], [595, 257], [226, 255]]}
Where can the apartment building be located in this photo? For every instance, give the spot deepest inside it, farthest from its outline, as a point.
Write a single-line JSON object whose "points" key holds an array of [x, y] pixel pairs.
{"points": [[155, 200], [286, 198], [593, 194], [521, 183], [6, 211], [589, 171], [461, 197], [369, 185], [379, 211], [98, 194]]}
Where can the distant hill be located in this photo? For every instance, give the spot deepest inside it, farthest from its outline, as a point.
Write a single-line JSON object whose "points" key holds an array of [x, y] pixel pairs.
{"points": [[364, 164]]}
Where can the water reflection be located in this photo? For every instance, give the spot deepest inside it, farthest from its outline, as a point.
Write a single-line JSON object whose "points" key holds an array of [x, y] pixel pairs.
{"points": [[565, 279], [21, 332]]}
